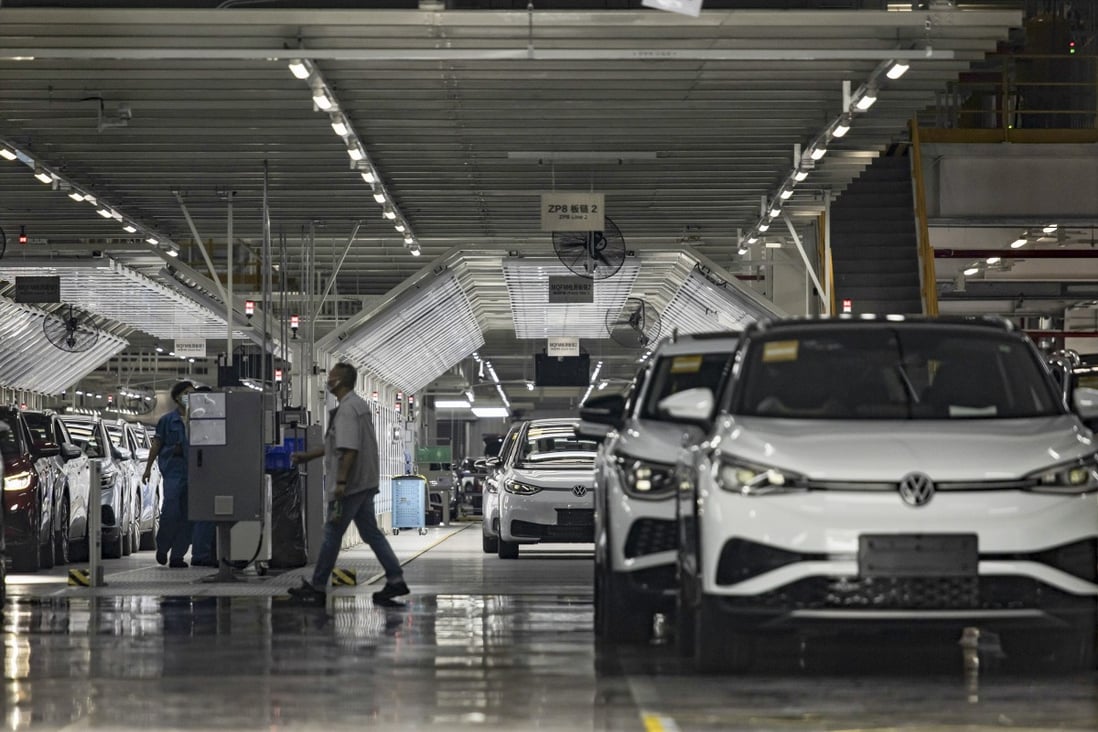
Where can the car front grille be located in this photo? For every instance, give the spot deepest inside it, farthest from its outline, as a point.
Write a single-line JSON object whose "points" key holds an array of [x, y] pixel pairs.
{"points": [[650, 536], [530, 530]]}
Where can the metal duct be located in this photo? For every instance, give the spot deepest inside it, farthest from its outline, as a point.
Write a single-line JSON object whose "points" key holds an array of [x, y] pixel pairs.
{"points": [[417, 337], [30, 362], [528, 286]]}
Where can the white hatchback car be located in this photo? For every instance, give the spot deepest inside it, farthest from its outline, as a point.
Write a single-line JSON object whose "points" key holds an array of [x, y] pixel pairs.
{"points": [[490, 525], [635, 535], [546, 487], [899, 473]]}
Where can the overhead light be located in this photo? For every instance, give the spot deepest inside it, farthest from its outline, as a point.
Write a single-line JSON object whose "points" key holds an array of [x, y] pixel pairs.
{"points": [[90, 199], [43, 176], [389, 213], [971, 271], [451, 404], [408, 239], [115, 215], [321, 100], [866, 100], [752, 239], [172, 253], [993, 260], [529, 386], [764, 227], [299, 68], [152, 240], [1019, 243], [76, 196], [129, 228], [816, 152], [898, 69], [490, 411], [773, 244], [774, 212], [368, 176], [742, 251], [841, 127], [104, 212], [7, 153], [339, 126], [414, 249], [379, 196], [800, 175], [400, 227], [785, 194], [1050, 229], [355, 152]]}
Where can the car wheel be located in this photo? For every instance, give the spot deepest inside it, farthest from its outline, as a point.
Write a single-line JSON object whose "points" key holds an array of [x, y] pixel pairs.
{"points": [[489, 544], [81, 549], [113, 549], [717, 646], [62, 551], [508, 549], [1054, 650]]}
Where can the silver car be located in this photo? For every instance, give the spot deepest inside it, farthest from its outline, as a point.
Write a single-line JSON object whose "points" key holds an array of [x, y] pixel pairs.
{"points": [[117, 497], [872, 474]]}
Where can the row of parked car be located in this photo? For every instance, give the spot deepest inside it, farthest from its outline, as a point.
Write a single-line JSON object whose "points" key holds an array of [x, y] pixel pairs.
{"points": [[826, 476], [47, 496]]}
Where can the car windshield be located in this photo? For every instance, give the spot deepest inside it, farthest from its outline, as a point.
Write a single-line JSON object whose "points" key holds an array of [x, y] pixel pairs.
{"points": [[912, 372], [86, 436], [9, 437], [556, 444], [116, 434], [672, 374], [39, 425]]}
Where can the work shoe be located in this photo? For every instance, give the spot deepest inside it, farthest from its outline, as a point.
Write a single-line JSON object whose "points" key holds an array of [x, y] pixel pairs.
{"points": [[161, 557], [177, 564], [391, 590], [307, 594]]}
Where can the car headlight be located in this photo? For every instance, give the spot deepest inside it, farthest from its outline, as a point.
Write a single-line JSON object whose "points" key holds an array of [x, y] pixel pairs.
{"points": [[643, 479], [755, 480], [17, 481], [1079, 476], [520, 489]]}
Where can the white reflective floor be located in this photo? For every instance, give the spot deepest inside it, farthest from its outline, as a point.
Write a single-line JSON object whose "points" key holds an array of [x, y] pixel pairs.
{"points": [[481, 643]]}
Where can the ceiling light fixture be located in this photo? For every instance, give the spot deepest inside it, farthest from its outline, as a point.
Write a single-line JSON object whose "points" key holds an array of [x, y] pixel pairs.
{"points": [[491, 412], [76, 196], [841, 127], [129, 229], [817, 151], [898, 69], [7, 153], [993, 260], [1050, 229], [388, 213], [299, 68], [322, 101], [866, 100], [1019, 243], [369, 176], [785, 194], [43, 175], [800, 175], [971, 271], [152, 240], [451, 404], [380, 197], [764, 227], [752, 239], [409, 239], [354, 152], [414, 249], [400, 227], [104, 212], [339, 126]]}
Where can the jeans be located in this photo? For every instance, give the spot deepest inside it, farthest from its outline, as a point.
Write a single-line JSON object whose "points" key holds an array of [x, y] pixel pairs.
{"points": [[357, 507], [174, 535]]}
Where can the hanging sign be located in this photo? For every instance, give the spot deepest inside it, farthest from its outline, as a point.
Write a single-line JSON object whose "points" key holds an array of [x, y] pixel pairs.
{"points": [[572, 211], [563, 290], [560, 347], [37, 289], [190, 347]]}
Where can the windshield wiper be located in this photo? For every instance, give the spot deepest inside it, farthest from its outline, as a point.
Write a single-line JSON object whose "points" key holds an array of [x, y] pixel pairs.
{"points": [[907, 383]]}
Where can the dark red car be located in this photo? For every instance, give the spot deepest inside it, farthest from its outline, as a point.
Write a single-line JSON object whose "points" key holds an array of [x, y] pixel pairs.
{"points": [[28, 496]]}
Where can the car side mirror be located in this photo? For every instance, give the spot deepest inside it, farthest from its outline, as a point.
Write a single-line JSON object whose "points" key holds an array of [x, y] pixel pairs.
{"points": [[694, 406], [1085, 401], [608, 410], [70, 451], [44, 448], [119, 453]]}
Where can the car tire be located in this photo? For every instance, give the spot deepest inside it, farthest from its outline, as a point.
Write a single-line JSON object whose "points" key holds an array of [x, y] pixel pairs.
{"points": [[717, 646], [490, 544], [508, 549], [114, 549], [46, 551], [1055, 650], [81, 548], [62, 550]]}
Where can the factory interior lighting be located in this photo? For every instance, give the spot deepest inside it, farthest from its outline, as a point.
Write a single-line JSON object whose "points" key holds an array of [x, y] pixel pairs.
{"points": [[816, 152], [971, 271], [7, 153], [43, 175], [399, 226], [388, 212], [763, 227], [1019, 243], [841, 127], [326, 100], [491, 412], [993, 260], [801, 175], [866, 100], [76, 196], [785, 194], [897, 69], [414, 249], [451, 404]]}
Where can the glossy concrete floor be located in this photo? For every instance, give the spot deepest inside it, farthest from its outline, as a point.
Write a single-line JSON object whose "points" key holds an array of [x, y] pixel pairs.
{"points": [[482, 643]]}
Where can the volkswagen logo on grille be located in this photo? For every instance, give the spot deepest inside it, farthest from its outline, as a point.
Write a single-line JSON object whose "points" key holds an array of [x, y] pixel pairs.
{"points": [[916, 489], [579, 491]]}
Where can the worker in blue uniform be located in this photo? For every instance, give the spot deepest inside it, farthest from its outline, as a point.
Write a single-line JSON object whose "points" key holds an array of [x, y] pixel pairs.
{"points": [[169, 449]]}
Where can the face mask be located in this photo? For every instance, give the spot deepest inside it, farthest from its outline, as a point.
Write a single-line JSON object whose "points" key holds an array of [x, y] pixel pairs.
{"points": [[185, 400], [330, 401]]}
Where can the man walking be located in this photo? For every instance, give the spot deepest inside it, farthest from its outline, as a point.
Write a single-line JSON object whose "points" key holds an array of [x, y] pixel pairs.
{"points": [[169, 449], [351, 480]]}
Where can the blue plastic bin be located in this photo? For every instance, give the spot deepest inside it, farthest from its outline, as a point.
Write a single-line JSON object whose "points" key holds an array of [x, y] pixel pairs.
{"points": [[277, 457], [409, 503]]}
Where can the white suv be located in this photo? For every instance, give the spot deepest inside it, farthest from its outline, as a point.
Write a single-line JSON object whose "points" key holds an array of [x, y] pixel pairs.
{"points": [[635, 534], [890, 473], [546, 487], [490, 525]]}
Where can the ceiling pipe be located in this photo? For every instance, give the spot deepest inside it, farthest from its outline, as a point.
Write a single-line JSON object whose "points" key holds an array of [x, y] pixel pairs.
{"points": [[1022, 253]]}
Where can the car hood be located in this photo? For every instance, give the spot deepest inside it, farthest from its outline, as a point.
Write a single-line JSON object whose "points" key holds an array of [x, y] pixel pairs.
{"points": [[655, 441], [563, 478], [874, 450]]}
